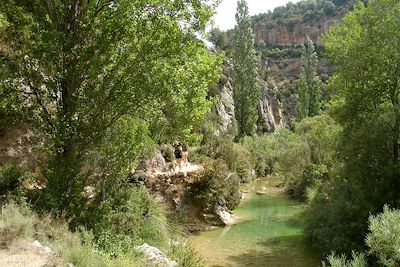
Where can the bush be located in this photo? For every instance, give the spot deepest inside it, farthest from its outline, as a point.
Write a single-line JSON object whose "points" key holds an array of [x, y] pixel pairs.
{"points": [[10, 177], [14, 183], [15, 223], [262, 151], [129, 218], [384, 237], [185, 256], [329, 8], [298, 186], [322, 135], [236, 156], [19, 222], [216, 182], [336, 219], [341, 261], [167, 152]]}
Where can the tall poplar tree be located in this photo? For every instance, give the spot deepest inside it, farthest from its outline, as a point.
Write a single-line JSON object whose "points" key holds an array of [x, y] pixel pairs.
{"points": [[310, 85], [246, 82]]}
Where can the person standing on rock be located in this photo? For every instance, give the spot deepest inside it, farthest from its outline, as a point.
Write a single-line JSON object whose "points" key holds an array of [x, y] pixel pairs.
{"points": [[178, 156], [185, 154]]}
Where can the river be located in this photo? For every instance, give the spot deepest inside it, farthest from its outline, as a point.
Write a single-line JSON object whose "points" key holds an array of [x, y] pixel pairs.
{"points": [[272, 236]]}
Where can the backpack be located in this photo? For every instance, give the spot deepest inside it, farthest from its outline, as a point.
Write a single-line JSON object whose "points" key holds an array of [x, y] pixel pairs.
{"points": [[177, 152]]}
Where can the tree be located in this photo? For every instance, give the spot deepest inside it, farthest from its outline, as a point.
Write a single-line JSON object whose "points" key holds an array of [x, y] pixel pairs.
{"points": [[329, 7], [82, 67], [365, 49], [310, 85], [219, 38], [245, 69]]}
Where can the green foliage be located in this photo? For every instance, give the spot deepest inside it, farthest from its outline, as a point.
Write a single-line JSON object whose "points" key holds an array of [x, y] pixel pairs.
{"points": [[281, 151], [10, 177], [281, 52], [3, 21], [115, 159], [329, 7], [384, 237], [246, 90], [299, 186], [219, 38], [19, 222], [262, 151], [186, 256], [167, 152], [216, 182], [341, 261], [127, 219], [234, 155], [14, 182], [366, 105], [237, 158], [80, 68], [310, 86], [302, 11], [15, 223], [322, 134], [305, 157], [336, 218]]}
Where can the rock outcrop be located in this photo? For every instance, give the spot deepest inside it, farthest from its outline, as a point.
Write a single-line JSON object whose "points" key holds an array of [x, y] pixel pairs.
{"points": [[223, 214], [20, 146], [269, 110], [225, 106], [281, 34]]}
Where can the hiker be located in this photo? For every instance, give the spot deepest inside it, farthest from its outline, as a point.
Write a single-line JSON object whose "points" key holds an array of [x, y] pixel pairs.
{"points": [[178, 155], [185, 154]]}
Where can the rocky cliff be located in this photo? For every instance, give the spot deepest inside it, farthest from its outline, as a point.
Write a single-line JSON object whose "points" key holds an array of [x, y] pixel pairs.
{"points": [[278, 39], [225, 107], [288, 25], [270, 109], [285, 35]]}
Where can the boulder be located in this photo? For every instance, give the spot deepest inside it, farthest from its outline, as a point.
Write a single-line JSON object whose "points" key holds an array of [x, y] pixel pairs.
{"points": [[156, 256], [223, 214], [41, 248]]}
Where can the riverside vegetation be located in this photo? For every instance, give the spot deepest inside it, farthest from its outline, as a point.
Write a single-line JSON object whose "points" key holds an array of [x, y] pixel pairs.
{"points": [[102, 83]]}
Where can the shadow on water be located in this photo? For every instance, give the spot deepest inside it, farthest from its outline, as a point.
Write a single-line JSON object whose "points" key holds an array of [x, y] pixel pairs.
{"points": [[281, 251]]}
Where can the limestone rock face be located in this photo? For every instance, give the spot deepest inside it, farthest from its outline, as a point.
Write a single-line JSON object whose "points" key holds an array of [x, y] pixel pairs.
{"points": [[225, 107], [280, 34], [270, 110]]}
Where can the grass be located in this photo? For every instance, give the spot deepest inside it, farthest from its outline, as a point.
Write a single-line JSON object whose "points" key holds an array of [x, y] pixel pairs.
{"points": [[19, 223]]}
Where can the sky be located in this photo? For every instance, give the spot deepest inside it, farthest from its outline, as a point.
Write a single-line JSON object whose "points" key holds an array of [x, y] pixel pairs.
{"points": [[225, 17]]}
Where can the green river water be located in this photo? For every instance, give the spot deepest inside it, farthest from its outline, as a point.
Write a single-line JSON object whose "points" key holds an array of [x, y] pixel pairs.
{"points": [[272, 236]]}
